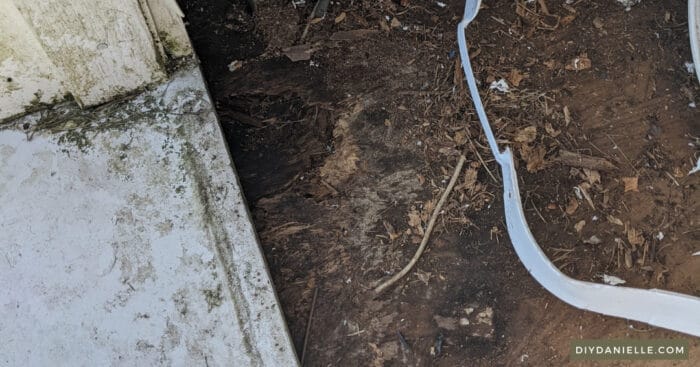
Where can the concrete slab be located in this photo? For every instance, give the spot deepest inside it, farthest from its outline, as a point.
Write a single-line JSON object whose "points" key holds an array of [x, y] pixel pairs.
{"points": [[125, 240]]}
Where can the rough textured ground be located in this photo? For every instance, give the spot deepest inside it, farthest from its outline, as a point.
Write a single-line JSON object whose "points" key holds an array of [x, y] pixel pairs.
{"points": [[343, 156]]}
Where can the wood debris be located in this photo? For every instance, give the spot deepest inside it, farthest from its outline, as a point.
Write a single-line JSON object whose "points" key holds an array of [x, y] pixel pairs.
{"points": [[631, 183], [584, 161]]}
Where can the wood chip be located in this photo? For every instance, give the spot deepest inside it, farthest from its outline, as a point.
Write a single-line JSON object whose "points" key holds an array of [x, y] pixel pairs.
{"points": [[584, 161], [340, 18], [567, 116], [579, 226], [615, 221], [631, 183], [395, 23]]}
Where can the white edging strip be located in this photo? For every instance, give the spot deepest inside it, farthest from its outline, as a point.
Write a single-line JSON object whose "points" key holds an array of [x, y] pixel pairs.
{"points": [[656, 307], [694, 32]]}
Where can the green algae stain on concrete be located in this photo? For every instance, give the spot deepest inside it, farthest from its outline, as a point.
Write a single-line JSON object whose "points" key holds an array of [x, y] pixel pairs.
{"points": [[213, 297]]}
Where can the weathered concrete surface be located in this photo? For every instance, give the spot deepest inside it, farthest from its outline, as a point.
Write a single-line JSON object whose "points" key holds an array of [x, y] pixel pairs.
{"points": [[125, 240]]}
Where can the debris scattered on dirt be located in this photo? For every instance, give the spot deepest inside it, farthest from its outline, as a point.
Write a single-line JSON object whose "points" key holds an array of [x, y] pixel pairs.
{"points": [[612, 280], [697, 253]]}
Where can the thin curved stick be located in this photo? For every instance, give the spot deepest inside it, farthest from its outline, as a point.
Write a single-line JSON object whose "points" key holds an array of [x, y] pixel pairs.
{"points": [[426, 236]]}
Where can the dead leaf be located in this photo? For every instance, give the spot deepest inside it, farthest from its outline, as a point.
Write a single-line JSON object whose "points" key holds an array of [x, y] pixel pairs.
{"points": [[515, 77], [631, 183], [581, 62], [340, 18], [594, 240], [572, 206], [615, 220], [395, 23], [533, 157], [526, 135], [579, 226]]}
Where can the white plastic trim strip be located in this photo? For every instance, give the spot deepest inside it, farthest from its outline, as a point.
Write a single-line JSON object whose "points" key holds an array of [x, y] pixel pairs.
{"points": [[694, 32], [674, 311]]}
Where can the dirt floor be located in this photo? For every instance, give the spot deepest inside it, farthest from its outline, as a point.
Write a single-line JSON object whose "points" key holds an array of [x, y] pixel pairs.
{"points": [[344, 153]]}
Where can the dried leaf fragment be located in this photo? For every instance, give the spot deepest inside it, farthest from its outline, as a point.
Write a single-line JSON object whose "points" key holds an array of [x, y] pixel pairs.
{"points": [[579, 226], [515, 77], [631, 183], [533, 157], [526, 135], [615, 220], [340, 17]]}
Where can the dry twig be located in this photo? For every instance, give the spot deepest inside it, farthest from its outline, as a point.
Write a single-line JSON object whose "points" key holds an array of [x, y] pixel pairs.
{"points": [[382, 287]]}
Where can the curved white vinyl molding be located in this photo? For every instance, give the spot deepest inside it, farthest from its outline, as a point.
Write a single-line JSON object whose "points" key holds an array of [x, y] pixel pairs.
{"points": [[694, 32], [674, 311]]}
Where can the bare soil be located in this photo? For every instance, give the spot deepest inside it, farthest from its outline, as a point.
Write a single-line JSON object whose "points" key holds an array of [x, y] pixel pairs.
{"points": [[343, 156]]}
